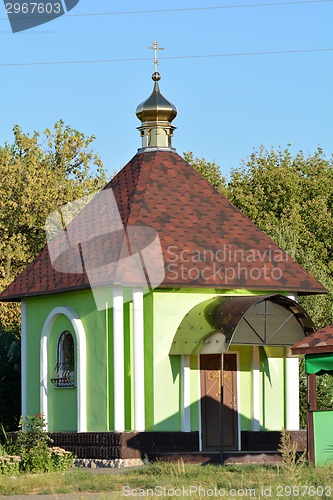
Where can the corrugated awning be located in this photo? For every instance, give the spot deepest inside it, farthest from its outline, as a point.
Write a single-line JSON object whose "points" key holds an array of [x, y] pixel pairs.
{"points": [[271, 320], [319, 363]]}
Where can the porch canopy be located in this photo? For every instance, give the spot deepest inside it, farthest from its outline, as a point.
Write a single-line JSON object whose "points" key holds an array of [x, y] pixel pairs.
{"points": [[319, 364], [318, 351], [270, 320]]}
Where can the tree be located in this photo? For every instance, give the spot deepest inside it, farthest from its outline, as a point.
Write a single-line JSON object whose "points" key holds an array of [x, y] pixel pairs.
{"points": [[291, 199], [209, 170], [10, 381], [39, 174]]}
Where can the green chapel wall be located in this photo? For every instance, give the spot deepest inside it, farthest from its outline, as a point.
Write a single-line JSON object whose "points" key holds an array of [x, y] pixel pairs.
{"points": [[93, 321], [195, 393], [164, 311], [170, 307], [128, 363], [272, 389], [245, 385], [62, 401], [149, 360], [34, 330]]}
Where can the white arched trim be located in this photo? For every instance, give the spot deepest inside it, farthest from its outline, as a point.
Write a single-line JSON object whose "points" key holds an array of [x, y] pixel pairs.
{"points": [[81, 364]]}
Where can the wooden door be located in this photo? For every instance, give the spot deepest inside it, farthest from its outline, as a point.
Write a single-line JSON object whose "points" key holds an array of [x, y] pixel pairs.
{"points": [[210, 366]]}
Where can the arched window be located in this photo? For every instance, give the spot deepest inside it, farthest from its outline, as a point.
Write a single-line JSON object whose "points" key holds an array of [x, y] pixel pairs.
{"points": [[64, 369]]}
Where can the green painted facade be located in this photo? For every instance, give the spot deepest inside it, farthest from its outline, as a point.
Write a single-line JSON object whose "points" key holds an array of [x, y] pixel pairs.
{"points": [[164, 310], [323, 436]]}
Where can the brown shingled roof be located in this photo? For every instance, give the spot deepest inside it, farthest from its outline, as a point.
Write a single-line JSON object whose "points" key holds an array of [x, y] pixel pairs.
{"points": [[206, 241], [319, 342]]}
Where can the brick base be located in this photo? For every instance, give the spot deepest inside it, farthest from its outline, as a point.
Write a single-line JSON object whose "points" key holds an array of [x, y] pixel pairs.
{"points": [[132, 445], [125, 445]]}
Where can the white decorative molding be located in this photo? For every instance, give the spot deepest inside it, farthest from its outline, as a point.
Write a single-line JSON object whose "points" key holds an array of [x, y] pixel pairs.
{"points": [[291, 386], [138, 359], [291, 394], [118, 359], [24, 358], [81, 364], [185, 397]]}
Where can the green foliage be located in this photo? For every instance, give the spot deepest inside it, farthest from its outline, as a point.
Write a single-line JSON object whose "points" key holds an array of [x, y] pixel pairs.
{"points": [[9, 464], [210, 170], [324, 386], [302, 396], [291, 460], [250, 481], [39, 174], [32, 450], [291, 199], [33, 445], [10, 381]]}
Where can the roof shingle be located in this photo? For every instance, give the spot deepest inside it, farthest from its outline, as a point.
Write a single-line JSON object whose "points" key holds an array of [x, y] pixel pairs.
{"points": [[206, 241], [319, 342]]}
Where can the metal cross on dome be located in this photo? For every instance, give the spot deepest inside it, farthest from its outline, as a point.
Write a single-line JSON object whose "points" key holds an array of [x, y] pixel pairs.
{"points": [[155, 47]]}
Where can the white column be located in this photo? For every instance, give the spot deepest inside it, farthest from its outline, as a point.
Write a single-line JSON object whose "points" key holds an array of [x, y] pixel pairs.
{"points": [[199, 399], [291, 387], [138, 358], [81, 374], [24, 358], [256, 406], [118, 359], [43, 379], [185, 399], [292, 393]]}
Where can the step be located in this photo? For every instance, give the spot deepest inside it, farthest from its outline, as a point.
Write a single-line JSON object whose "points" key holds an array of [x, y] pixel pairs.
{"points": [[230, 457]]}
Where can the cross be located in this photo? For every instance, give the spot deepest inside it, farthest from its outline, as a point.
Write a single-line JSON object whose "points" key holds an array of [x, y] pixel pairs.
{"points": [[215, 375], [155, 47]]}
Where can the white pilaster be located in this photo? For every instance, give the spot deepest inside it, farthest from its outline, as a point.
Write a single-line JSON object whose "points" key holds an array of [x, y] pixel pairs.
{"points": [[138, 358], [43, 378], [291, 387], [81, 365], [292, 394], [256, 406], [24, 358], [118, 359], [185, 394]]}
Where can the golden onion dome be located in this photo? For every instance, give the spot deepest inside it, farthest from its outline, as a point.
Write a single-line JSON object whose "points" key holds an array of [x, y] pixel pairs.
{"points": [[156, 108]]}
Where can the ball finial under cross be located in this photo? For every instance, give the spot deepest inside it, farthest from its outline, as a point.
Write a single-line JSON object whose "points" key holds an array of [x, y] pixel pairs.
{"points": [[156, 76]]}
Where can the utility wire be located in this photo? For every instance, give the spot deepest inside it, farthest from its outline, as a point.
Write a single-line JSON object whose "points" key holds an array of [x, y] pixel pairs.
{"points": [[206, 56], [186, 9]]}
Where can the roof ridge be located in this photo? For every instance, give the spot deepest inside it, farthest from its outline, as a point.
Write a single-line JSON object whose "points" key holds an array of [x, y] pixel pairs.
{"points": [[150, 166], [117, 178]]}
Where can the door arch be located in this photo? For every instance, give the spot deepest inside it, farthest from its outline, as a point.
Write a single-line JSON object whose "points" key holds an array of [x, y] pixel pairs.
{"points": [[81, 364]]}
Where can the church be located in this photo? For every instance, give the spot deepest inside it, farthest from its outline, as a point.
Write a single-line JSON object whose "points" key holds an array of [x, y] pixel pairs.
{"points": [[158, 316]]}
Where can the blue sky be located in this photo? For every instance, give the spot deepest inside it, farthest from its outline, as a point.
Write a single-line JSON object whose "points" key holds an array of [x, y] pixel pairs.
{"points": [[226, 105]]}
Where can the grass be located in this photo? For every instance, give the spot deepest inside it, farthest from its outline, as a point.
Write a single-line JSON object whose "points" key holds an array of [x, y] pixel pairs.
{"points": [[245, 481]]}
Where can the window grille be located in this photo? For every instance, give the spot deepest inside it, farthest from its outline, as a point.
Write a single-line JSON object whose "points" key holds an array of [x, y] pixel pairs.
{"points": [[63, 373]]}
